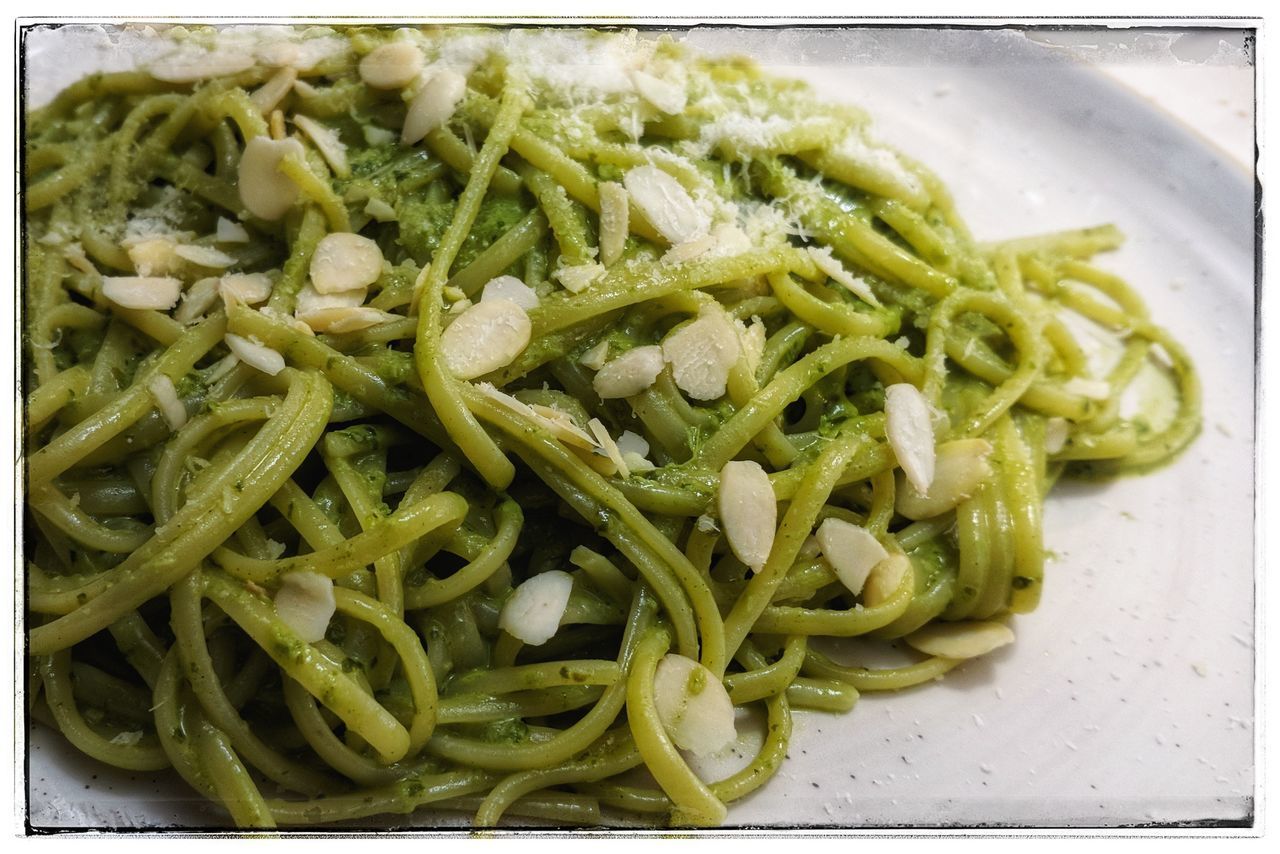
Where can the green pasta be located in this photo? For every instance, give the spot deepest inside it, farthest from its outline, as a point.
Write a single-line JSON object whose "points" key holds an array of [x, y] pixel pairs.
{"points": [[413, 426]]}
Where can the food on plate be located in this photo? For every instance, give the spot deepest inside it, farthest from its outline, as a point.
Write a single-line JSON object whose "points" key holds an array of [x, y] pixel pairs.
{"points": [[473, 420]]}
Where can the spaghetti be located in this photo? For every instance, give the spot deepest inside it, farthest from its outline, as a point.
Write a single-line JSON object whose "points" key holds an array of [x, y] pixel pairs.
{"points": [[416, 422]]}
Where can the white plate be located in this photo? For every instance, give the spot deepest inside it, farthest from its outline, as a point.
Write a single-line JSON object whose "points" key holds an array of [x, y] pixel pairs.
{"points": [[1128, 698]]}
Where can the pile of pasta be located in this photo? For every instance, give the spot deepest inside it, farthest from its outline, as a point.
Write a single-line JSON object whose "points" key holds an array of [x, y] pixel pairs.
{"points": [[486, 420]]}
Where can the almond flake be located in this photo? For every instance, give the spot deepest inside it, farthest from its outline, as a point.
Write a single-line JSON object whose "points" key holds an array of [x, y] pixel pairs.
{"points": [[393, 65], [205, 256], [834, 270], [748, 511], [629, 374], [1087, 388], [960, 640], [689, 250], [433, 105], [885, 579], [962, 466], [595, 357], [702, 353], [309, 302], [345, 262], [667, 97], [485, 337], [153, 256], [269, 95], [247, 288], [197, 300], [1056, 432], [305, 603], [852, 551], [327, 142], [635, 451], [909, 426], [380, 210], [266, 191], [693, 705], [167, 401], [255, 354], [510, 288], [615, 212], [230, 232], [577, 277], [533, 611], [666, 204], [608, 447], [154, 292], [338, 320]]}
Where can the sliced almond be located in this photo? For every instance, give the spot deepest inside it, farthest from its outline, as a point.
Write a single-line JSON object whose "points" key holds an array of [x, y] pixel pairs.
{"points": [[852, 551], [433, 105], [885, 579], [963, 465], [327, 142], [305, 603], [198, 299], [702, 353], [205, 256], [1056, 432], [689, 250], [313, 308], [167, 401], [578, 277], [269, 95], [827, 263], [266, 191], [533, 612], [345, 262], [339, 320], [748, 511], [615, 211], [555, 422], [486, 336], [393, 65], [153, 256], [188, 65], [693, 705], [596, 357], [154, 292], [667, 97], [510, 288], [608, 447], [380, 210], [1088, 388], [255, 354], [960, 640], [247, 288], [635, 452], [230, 232], [909, 426], [629, 374], [666, 204]]}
